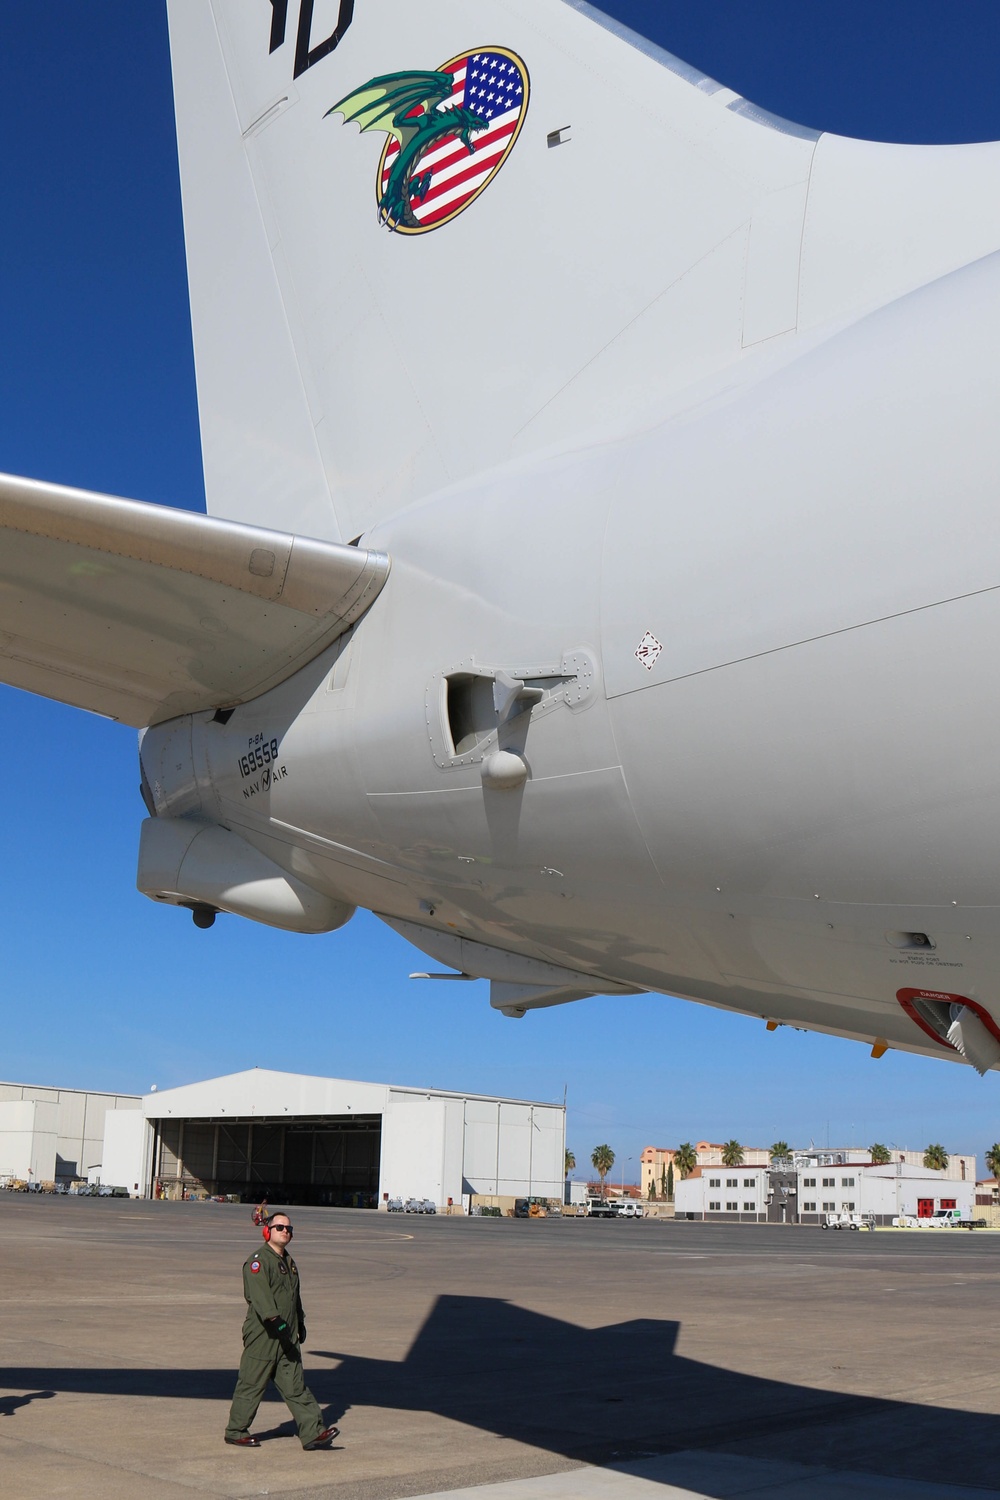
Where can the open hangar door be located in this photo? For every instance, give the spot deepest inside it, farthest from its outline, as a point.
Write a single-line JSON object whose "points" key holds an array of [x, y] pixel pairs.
{"points": [[299, 1138], [331, 1160]]}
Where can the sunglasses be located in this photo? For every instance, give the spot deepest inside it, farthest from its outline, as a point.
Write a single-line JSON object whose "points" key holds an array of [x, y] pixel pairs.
{"points": [[281, 1228]]}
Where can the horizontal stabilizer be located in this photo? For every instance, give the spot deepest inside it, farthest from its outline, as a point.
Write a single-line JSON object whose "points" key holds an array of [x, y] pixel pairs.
{"points": [[143, 612]]}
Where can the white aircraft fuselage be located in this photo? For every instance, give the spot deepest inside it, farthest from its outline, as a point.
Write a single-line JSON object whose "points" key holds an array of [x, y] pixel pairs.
{"points": [[759, 763]]}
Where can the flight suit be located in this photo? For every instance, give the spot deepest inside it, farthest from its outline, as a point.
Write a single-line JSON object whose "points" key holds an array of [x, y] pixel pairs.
{"points": [[271, 1287]]}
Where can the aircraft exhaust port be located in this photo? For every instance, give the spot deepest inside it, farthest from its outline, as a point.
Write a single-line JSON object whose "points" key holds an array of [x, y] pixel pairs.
{"points": [[956, 1023]]}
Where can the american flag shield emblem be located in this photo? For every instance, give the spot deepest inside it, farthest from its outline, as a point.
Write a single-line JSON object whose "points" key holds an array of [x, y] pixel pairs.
{"points": [[490, 84]]}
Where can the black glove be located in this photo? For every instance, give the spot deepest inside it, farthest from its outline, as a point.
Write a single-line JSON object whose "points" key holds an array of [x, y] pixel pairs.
{"points": [[276, 1326], [302, 1333]]}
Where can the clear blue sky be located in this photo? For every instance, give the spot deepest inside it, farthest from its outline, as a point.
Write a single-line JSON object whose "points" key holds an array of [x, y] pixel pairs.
{"points": [[102, 989]]}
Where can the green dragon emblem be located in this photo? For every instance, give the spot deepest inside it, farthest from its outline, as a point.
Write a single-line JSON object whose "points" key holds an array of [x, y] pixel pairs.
{"points": [[406, 105], [428, 118]]}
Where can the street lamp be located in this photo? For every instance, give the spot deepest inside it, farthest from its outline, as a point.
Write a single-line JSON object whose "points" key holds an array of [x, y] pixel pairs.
{"points": [[624, 1165]]}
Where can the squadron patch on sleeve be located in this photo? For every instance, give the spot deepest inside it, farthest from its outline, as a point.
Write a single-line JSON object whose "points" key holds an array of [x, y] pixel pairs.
{"points": [[255, 1266]]}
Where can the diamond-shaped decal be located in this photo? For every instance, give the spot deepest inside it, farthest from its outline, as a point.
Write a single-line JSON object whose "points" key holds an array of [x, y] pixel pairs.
{"points": [[648, 650]]}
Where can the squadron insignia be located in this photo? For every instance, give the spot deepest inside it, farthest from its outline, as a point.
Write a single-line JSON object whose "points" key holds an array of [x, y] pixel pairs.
{"points": [[449, 132], [255, 1266]]}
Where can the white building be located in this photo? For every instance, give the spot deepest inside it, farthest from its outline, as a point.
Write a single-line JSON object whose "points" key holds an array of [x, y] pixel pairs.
{"points": [[298, 1139], [737, 1194], [656, 1160], [882, 1193], [55, 1134], [756, 1196]]}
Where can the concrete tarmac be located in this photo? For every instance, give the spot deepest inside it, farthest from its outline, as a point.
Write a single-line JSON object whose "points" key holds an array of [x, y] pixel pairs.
{"points": [[553, 1360]]}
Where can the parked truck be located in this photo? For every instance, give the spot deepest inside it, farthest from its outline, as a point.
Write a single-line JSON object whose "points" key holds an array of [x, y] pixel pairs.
{"points": [[941, 1218]]}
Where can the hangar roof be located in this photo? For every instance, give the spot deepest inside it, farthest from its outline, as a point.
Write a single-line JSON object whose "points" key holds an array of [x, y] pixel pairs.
{"points": [[266, 1092]]}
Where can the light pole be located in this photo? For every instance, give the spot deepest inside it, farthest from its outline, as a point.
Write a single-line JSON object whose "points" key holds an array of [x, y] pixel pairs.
{"points": [[624, 1164]]}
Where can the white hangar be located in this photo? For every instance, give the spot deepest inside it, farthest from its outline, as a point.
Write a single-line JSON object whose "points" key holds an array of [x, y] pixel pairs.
{"points": [[57, 1135], [298, 1139]]}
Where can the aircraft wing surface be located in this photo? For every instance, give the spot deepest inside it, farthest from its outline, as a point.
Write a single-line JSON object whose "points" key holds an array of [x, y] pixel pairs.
{"points": [[143, 612]]}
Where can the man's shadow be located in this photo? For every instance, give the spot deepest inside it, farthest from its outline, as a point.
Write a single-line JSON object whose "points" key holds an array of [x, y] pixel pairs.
{"points": [[10, 1404]]}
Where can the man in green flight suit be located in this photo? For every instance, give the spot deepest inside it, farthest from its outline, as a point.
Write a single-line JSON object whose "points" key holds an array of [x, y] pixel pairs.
{"points": [[272, 1332]]}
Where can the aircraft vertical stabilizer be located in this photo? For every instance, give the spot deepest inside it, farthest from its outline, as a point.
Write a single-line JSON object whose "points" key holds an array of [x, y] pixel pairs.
{"points": [[425, 239]]}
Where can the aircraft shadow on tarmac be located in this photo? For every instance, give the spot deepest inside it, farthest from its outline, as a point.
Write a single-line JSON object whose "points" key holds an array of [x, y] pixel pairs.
{"points": [[598, 1395]]}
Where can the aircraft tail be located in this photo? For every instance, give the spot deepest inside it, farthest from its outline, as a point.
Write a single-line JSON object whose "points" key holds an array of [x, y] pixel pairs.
{"points": [[424, 239]]}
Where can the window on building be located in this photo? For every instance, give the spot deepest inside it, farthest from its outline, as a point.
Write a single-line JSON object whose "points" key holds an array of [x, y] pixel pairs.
{"points": [[829, 1182], [847, 1182], [714, 1206], [732, 1208], [808, 1208], [848, 1207], [748, 1182], [949, 1203], [732, 1182], [748, 1208], [808, 1182], [828, 1208], [715, 1182]]}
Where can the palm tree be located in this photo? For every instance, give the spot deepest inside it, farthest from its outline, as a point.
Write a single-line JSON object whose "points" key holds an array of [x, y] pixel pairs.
{"points": [[732, 1154], [780, 1151], [935, 1158], [993, 1160], [602, 1159], [685, 1159], [881, 1155], [570, 1163]]}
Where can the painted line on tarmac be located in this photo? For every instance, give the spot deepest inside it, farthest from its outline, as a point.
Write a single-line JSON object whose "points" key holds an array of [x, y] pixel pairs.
{"points": [[357, 1239], [912, 1229], [86, 1299]]}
